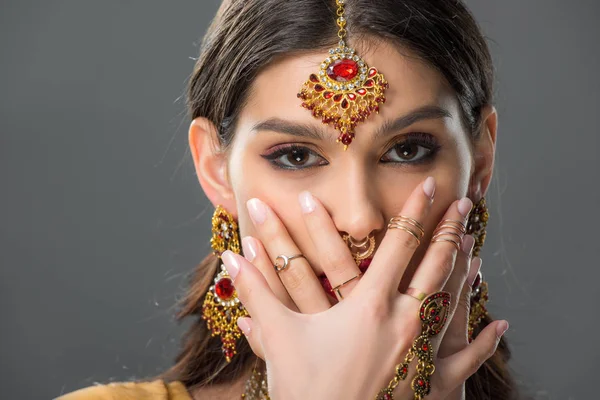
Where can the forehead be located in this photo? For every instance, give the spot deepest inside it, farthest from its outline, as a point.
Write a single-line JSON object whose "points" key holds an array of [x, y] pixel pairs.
{"points": [[412, 84]]}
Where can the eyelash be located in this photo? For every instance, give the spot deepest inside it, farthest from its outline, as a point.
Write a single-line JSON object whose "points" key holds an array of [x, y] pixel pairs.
{"points": [[429, 142]]}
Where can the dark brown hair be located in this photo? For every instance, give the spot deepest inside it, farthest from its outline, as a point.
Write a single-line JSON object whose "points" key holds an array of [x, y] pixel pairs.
{"points": [[244, 37]]}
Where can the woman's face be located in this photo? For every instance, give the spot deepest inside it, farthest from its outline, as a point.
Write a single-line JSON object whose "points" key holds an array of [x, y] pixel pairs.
{"points": [[280, 150]]}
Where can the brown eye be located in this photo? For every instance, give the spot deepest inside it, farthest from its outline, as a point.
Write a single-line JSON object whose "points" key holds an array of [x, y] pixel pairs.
{"points": [[410, 152], [295, 157], [407, 151]]}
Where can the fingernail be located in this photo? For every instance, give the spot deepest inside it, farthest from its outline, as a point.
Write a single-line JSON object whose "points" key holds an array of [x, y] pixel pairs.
{"points": [[501, 328], [429, 187], [244, 325], [249, 247], [231, 263], [257, 210], [475, 266], [464, 206], [467, 243], [307, 202]]}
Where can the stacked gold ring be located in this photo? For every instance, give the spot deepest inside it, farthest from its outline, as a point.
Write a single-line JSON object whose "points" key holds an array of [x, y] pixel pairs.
{"points": [[449, 230], [408, 224]]}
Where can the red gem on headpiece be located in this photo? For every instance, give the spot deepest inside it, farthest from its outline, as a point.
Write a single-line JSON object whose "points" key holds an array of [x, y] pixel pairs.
{"points": [[345, 103], [327, 95], [372, 72], [343, 70], [314, 78], [361, 91], [352, 96], [338, 97], [319, 88], [369, 83]]}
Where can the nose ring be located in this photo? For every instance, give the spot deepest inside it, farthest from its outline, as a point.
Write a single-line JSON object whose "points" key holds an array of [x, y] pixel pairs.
{"points": [[360, 249]]}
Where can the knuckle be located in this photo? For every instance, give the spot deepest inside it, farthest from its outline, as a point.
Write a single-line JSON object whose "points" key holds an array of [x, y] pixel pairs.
{"points": [[446, 265], [293, 278], [375, 307], [407, 240], [336, 261]]}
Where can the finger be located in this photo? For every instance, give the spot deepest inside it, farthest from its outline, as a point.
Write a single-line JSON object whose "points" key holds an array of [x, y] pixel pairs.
{"points": [[398, 246], [298, 278], [333, 254], [457, 368], [255, 252], [252, 288], [252, 334], [455, 338], [438, 262]]}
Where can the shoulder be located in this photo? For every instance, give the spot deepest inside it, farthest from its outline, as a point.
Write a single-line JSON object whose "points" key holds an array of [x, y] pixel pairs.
{"points": [[154, 390]]}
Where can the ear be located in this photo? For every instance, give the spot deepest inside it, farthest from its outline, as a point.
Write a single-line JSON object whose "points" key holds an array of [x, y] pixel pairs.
{"points": [[484, 154], [211, 164]]}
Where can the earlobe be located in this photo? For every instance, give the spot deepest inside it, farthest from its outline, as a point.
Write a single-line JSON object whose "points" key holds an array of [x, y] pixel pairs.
{"points": [[210, 163], [484, 154]]}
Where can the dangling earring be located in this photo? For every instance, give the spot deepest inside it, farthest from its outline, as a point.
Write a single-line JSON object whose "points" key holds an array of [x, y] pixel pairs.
{"points": [[222, 308], [476, 225]]}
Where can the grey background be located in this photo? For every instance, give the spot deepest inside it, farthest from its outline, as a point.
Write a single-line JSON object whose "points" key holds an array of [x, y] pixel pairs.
{"points": [[101, 215]]}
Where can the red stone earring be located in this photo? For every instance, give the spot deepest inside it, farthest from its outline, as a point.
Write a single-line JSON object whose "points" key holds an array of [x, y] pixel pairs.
{"points": [[222, 308], [346, 90]]}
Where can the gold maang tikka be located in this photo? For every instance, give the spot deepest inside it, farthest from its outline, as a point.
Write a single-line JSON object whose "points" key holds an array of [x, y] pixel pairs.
{"points": [[222, 308], [346, 90]]}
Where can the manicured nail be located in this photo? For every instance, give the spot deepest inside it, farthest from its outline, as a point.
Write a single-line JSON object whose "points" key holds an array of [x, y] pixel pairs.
{"points": [[475, 267], [464, 206], [467, 243], [244, 325], [249, 247], [257, 210], [307, 202], [501, 328], [231, 263], [429, 187]]}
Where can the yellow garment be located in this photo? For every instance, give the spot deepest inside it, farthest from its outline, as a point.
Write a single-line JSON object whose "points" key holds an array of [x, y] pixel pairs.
{"points": [[155, 390]]}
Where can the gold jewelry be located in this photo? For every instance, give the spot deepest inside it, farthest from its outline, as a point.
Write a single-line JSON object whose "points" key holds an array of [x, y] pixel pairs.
{"points": [[478, 219], [478, 311], [476, 226], [256, 386], [449, 227], [362, 251], [407, 224], [433, 314], [345, 91], [222, 308], [338, 287], [416, 293], [286, 261]]}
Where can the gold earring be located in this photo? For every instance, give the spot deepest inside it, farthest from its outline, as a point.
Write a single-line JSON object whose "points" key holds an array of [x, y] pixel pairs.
{"points": [[476, 225], [222, 308]]}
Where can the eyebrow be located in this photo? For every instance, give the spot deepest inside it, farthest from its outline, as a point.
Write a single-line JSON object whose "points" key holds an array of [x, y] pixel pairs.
{"points": [[317, 133]]}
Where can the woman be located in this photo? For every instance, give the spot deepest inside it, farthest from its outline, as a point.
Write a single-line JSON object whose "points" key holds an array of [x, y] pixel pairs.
{"points": [[350, 144]]}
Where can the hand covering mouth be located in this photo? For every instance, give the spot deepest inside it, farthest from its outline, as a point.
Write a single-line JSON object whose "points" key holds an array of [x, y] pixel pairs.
{"points": [[363, 266]]}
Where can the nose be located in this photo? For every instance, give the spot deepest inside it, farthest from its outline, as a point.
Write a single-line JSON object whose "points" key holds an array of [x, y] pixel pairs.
{"points": [[355, 204]]}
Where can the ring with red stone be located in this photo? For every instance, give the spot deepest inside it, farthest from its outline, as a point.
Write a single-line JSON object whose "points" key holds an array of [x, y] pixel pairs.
{"points": [[285, 261]]}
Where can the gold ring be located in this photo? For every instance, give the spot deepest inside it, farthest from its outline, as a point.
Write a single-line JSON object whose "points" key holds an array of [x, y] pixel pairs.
{"points": [[338, 287], [416, 293], [286, 261], [406, 224], [449, 227]]}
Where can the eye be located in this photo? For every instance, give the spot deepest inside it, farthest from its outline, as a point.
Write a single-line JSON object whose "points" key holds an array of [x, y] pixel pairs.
{"points": [[294, 157], [415, 148]]}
